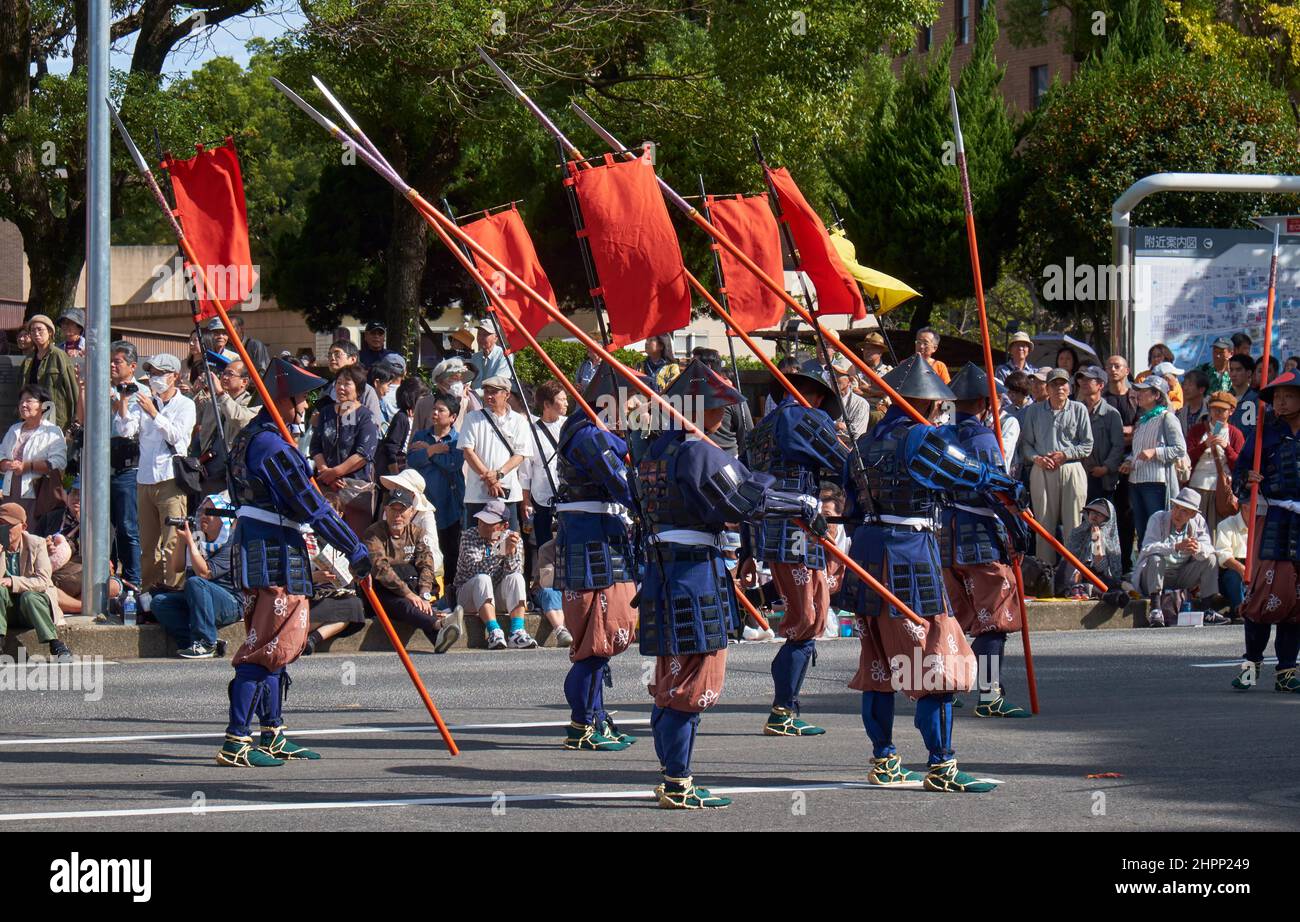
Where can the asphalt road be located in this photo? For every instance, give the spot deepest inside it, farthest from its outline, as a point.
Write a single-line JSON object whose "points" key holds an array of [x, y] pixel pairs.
{"points": [[1192, 753]]}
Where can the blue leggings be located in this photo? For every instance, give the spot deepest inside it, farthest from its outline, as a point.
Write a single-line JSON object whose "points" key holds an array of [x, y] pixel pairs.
{"points": [[789, 668], [254, 688], [584, 689], [933, 719], [674, 733], [1286, 646], [988, 655]]}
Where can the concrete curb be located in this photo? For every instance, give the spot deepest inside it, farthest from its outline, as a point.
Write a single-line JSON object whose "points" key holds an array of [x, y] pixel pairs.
{"points": [[117, 642]]}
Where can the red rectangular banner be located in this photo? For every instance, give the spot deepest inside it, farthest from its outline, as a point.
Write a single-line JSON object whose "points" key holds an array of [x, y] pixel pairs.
{"points": [[748, 222], [209, 190], [506, 238], [634, 248], [837, 291]]}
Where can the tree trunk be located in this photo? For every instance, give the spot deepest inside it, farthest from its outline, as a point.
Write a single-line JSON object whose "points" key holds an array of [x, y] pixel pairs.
{"points": [[407, 255]]}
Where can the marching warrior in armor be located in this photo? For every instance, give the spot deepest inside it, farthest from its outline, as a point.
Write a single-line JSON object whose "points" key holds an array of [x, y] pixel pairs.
{"points": [[975, 550], [273, 489], [1274, 595], [595, 566], [795, 445], [908, 468], [693, 491]]}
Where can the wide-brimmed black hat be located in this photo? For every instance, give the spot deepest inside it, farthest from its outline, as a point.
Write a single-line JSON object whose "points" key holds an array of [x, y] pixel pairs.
{"points": [[698, 382], [285, 379], [916, 380]]}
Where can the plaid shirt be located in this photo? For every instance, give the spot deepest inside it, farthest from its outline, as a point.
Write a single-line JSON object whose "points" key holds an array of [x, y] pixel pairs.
{"points": [[477, 556]]}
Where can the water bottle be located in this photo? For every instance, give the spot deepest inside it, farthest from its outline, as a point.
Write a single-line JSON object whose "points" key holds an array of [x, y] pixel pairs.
{"points": [[128, 610]]}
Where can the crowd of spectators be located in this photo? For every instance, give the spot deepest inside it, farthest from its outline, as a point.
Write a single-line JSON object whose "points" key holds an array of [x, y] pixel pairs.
{"points": [[453, 484]]}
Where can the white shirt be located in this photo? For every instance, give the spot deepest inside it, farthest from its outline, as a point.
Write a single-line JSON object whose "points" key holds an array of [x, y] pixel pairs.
{"points": [[160, 437], [532, 475], [478, 435], [45, 443]]}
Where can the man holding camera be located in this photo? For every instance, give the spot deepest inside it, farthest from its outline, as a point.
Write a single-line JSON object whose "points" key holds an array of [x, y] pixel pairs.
{"points": [[162, 421], [124, 455], [208, 600], [271, 564], [490, 577]]}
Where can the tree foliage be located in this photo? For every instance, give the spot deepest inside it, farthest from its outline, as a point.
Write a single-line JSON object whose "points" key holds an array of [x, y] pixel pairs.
{"points": [[899, 177]]}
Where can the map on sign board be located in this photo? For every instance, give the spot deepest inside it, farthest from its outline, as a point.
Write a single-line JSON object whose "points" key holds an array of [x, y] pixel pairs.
{"points": [[1193, 285]]}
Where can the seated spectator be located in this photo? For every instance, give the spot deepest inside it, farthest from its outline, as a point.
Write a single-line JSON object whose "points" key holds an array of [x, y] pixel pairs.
{"points": [[1095, 543], [424, 517], [27, 594], [1230, 548], [64, 547], [1224, 441], [434, 456], [32, 451], [489, 576], [1177, 553], [404, 574], [343, 445], [334, 607], [208, 599]]}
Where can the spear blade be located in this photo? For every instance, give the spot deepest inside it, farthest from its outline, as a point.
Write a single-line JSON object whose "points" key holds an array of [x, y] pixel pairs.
{"points": [[140, 163], [532, 107]]}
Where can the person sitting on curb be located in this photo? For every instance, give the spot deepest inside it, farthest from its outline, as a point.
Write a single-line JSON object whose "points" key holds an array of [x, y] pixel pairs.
{"points": [[1177, 553], [208, 600], [26, 588], [489, 576], [404, 572]]}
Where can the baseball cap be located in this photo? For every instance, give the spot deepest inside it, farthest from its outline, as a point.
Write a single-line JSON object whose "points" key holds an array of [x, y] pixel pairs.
{"points": [[496, 381], [1221, 343], [486, 326], [1041, 374], [214, 324], [1167, 368], [400, 496], [1096, 372], [1100, 506], [493, 512], [392, 363], [376, 326], [1058, 374], [1021, 337], [164, 362], [1153, 382], [13, 514]]}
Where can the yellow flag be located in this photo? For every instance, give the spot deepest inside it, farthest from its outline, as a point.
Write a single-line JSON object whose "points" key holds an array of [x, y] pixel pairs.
{"points": [[886, 289]]}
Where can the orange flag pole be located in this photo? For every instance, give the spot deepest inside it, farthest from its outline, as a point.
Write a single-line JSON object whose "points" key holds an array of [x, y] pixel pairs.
{"points": [[993, 384], [260, 385], [1257, 461]]}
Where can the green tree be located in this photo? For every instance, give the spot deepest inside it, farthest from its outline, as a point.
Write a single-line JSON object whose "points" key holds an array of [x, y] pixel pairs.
{"points": [[1120, 120], [899, 177], [43, 118]]}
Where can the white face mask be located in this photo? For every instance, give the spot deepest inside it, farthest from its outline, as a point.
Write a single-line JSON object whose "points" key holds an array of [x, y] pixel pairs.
{"points": [[457, 389], [159, 383]]}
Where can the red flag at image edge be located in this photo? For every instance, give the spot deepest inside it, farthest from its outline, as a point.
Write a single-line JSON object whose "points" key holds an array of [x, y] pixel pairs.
{"points": [[634, 248], [837, 291], [748, 222], [506, 238], [209, 190]]}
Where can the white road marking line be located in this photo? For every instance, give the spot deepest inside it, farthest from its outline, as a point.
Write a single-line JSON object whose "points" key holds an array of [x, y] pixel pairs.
{"points": [[335, 731], [1268, 660], [460, 801]]}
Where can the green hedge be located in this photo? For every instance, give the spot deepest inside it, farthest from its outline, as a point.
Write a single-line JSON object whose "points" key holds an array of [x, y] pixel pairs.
{"points": [[568, 356]]}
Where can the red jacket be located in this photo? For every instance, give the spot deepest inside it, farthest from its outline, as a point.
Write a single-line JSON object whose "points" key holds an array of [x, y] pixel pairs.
{"points": [[1198, 440]]}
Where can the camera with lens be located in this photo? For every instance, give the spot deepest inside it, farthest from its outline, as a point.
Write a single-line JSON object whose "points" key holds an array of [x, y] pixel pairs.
{"points": [[176, 521], [129, 388]]}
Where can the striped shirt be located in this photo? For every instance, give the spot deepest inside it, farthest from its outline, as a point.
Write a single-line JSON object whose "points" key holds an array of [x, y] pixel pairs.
{"points": [[1164, 435]]}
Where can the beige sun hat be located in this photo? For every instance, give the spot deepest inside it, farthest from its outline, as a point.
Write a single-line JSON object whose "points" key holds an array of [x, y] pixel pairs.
{"points": [[409, 480]]}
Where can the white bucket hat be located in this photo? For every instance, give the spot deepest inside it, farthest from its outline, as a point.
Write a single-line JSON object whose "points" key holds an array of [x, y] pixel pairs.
{"points": [[409, 480]]}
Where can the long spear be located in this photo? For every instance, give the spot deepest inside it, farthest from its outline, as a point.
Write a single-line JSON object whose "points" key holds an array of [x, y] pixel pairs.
{"points": [[1253, 534], [447, 229], [367, 588], [834, 340], [992, 380]]}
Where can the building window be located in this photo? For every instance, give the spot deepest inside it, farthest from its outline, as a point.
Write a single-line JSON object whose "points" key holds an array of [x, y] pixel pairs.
{"points": [[963, 22], [927, 36], [1037, 85]]}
